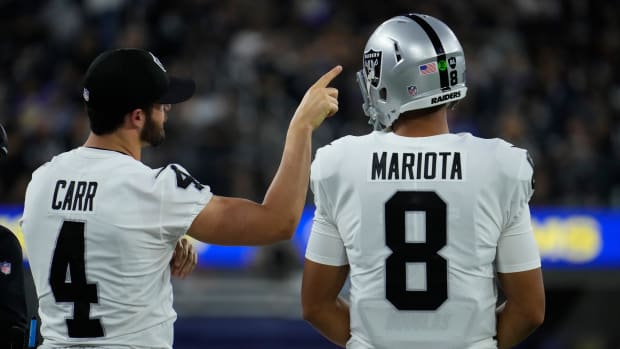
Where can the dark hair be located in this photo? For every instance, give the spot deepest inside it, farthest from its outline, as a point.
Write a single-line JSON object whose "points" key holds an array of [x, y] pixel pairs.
{"points": [[106, 122]]}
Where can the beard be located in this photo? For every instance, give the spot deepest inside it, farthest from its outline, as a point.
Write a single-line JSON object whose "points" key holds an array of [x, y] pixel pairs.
{"points": [[152, 133]]}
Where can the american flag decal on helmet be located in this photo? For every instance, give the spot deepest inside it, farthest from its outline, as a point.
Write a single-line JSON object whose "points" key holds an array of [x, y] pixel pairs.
{"points": [[428, 68]]}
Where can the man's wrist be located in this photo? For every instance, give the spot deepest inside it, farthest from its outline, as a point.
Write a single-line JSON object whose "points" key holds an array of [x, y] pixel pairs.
{"points": [[300, 128]]}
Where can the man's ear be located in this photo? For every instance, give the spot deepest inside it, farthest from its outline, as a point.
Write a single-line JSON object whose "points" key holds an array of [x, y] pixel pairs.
{"points": [[136, 118]]}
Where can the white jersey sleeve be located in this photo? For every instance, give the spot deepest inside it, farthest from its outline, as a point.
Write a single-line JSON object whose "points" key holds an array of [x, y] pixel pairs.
{"points": [[325, 246], [182, 197], [516, 248]]}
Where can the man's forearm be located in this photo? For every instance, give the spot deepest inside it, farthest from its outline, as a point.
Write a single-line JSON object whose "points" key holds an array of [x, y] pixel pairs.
{"points": [[286, 196], [513, 326], [332, 321], [287, 193], [233, 221]]}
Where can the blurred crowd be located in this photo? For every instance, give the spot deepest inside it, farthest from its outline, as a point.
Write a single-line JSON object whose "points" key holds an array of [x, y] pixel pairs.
{"points": [[543, 75]]}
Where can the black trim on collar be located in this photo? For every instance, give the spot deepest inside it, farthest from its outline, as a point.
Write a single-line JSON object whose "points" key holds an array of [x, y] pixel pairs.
{"points": [[118, 151]]}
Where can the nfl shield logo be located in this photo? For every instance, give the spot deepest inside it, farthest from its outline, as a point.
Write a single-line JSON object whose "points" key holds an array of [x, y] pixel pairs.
{"points": [[5, 268], [412, 90], [372, 67]]}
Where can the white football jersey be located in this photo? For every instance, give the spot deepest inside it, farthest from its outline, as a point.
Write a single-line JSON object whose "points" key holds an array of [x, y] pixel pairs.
{"points": [[100, 229], [424, 224]]}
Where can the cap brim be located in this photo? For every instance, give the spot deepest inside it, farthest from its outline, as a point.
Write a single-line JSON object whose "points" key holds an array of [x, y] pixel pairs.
{"points": [[179, 90]]}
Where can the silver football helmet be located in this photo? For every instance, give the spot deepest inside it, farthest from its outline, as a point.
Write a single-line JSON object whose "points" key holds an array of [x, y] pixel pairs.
{"points": [[411, 62]]}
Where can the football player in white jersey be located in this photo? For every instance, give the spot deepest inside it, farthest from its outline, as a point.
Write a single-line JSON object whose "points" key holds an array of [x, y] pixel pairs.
{"points": [[101, 227], [423, 220]]}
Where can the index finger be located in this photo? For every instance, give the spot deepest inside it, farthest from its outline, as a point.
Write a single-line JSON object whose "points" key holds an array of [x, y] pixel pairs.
{"points": [[324, 80]]}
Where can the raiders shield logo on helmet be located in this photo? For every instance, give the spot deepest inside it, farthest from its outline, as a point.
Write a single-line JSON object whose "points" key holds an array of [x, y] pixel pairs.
{"points": [[372, 67]]}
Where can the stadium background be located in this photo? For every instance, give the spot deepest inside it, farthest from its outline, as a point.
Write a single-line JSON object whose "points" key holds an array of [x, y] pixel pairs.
{"points": [[541, 74]]}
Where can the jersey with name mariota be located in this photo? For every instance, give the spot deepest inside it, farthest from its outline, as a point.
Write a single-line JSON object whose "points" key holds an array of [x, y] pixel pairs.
{"points": [[424, 224], [100, 229]]}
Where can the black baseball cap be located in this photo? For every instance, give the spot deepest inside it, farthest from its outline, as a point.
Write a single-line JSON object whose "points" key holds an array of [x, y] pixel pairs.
{"points": [[121, 80]]}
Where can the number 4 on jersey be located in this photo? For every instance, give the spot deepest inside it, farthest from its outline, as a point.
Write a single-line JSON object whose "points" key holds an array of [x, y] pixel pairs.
{"points": [[184, 179], [69, 255]]}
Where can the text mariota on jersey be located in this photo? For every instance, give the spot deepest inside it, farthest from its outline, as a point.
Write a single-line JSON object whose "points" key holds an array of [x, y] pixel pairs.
{"points": [[416, 166]]}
